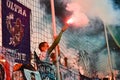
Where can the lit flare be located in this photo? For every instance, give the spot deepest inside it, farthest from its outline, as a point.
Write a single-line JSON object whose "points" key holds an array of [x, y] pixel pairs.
{"points": [[70, 21]]}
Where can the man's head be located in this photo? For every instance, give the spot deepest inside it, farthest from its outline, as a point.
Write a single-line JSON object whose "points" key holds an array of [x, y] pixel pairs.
{"points": [[43, 46]]}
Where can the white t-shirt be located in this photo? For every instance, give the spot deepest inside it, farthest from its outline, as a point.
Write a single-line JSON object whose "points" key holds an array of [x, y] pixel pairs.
{"points": [[44, 56]]}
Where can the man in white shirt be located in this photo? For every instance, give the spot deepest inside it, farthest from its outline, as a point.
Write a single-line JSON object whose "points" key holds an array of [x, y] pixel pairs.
{"points": [[46, 50]]}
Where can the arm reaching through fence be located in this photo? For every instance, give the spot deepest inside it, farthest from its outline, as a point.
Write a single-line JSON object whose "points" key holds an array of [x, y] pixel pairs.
{"points": [[46, 50]]}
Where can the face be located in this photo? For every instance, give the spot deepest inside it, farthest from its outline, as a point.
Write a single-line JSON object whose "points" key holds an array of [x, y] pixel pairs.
{"points": [[45, 47]]}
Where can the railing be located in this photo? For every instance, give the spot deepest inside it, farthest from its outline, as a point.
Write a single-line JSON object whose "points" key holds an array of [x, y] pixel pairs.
{"points": [[46, 71]]}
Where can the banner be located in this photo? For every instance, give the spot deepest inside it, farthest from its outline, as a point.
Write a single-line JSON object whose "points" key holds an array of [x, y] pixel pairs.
{"points": [[16, 29], [115, 32]]}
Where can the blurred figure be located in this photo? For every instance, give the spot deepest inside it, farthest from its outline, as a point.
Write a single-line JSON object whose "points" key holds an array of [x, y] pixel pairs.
{"points": [[2, 72]]}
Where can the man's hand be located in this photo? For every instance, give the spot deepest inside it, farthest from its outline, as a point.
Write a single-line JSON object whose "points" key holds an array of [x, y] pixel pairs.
{"points": [[65, 27]]}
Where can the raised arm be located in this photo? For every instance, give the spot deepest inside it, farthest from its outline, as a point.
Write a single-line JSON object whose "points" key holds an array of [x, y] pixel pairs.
{"points": [[57, 39]]}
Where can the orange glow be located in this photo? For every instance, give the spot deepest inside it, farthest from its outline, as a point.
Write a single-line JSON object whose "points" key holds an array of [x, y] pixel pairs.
{"points": [[6, 67], [17, 67], [2, 60]]}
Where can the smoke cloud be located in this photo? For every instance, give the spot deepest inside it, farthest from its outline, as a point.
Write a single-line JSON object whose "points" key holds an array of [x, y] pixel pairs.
{"points": [[101, 8], [79, 18]]}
